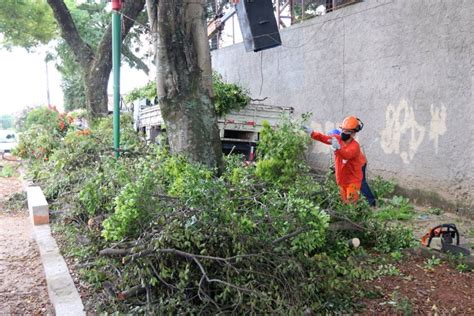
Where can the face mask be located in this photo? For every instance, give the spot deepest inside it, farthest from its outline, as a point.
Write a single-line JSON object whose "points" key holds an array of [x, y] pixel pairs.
{"points": [[345, 136]]}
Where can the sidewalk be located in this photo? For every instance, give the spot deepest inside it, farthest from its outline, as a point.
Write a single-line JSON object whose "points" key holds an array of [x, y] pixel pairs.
{"points": [[22, 283]]}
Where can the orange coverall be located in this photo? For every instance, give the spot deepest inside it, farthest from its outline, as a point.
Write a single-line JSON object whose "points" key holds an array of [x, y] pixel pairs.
{"points": [[349, 160]]}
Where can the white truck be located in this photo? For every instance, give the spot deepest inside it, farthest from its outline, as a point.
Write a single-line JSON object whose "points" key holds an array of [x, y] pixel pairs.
{"points": [[239, 130]]}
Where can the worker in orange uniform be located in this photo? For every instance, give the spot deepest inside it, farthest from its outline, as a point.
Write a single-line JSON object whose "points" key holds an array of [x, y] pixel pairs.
{"points": [[349, 159]]}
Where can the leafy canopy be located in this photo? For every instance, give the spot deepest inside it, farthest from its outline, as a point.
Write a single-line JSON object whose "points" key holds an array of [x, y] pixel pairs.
{"points": [[26, 23]]}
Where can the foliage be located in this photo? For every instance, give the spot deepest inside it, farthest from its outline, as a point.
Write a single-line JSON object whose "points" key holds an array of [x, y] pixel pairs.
{"points": [[382, 188], [396, 255], [402, 304], [16, 202], [388, 238], [100, 190], [148, 91], [387, 270], [435, 211], [432, 262], [254, 240], [20, 118], [7, 171], [397, 208], [26, 23], [280, 153], [227, 96], [44, 128], [134, 207], [460, 262]]}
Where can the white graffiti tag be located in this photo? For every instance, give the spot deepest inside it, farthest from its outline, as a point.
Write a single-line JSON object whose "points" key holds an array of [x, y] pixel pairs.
{"points": [[399, 121], [438, 124]]}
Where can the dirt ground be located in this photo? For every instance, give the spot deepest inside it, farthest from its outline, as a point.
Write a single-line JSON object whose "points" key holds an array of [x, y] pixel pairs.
{"points": [[417, 287], [420, 290], [424, 286], [23, 288]]}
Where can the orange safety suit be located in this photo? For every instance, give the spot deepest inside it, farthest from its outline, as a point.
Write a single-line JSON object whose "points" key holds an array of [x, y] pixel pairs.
{"points": [[349, 160]]}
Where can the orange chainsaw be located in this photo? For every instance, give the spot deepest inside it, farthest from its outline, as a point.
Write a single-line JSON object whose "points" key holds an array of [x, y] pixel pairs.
{"points": [[442, 238]]}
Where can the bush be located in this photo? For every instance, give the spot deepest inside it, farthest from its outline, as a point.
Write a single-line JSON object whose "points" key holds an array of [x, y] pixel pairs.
{"points": [[254, 240], [44, 129], [134, 206]]}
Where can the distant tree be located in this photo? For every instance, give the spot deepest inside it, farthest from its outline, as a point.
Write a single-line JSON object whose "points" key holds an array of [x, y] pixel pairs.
{"points": [[94, 61], [91, 20], [86, 31]]}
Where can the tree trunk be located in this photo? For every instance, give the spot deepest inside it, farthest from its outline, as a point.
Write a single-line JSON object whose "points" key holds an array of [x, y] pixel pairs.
{"points": [[95, 66], [96, 79], [184, 79]]}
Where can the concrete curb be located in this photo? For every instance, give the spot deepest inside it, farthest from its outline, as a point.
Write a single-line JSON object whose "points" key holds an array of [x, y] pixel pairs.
{"points": [[61, 289]]}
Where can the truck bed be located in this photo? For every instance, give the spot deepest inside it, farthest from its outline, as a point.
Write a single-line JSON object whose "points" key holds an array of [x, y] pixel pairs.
{"points": [[238, 130]]}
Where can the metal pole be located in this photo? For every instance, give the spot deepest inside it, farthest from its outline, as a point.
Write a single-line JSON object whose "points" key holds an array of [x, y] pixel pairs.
{"points": [[116, 42], [47, 83], [277, 11], [233, 29], [302, 10]]}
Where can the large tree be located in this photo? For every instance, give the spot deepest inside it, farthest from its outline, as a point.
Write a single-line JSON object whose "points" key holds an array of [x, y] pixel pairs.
{"points": [[91, 19], [26, 23], [184, 78], [96, 64], [31, 23]]}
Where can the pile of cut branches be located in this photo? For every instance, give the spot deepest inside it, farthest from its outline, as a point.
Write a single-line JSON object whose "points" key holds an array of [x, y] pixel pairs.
{"points": [[160, 235]]}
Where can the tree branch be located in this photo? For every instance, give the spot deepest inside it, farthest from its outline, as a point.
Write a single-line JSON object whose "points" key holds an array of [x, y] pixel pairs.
{"points": [[115, 252], [293, 234], [131, 10], [69, 33], [134, 60]]}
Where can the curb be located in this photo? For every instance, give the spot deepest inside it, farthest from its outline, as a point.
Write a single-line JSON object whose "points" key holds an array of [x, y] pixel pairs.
{"points": [[61, 289]]}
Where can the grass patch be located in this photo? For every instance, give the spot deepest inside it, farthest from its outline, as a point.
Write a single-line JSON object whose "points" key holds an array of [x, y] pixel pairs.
{"points": [[16, 202], [397, 208], [8, 171]]}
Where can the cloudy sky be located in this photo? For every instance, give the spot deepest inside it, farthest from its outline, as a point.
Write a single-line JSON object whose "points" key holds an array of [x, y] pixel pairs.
{"points": [[23, 81]]}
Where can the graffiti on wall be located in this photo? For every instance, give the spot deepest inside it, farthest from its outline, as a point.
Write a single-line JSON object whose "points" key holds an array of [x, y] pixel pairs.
{"points": [[403, 134], [438, 124]]}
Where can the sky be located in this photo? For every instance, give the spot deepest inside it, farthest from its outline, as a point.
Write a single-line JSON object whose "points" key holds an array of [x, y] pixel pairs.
{"points": [[23, 81], [23, 76]]}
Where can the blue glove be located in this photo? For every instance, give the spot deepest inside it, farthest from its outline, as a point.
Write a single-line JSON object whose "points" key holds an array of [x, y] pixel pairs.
{"points": [[335, 144], [307, 129]]}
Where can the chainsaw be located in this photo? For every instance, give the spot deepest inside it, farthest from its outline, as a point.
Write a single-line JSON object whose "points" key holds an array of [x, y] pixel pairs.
{"points": [[442, 238]]}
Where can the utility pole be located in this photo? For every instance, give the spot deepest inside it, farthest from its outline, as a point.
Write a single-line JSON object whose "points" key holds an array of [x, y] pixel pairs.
{"points": [[116, 43], [47, 83]]}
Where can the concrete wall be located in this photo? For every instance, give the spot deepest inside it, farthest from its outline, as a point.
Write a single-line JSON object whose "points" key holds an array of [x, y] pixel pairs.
{"points": [[405, 67]]}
